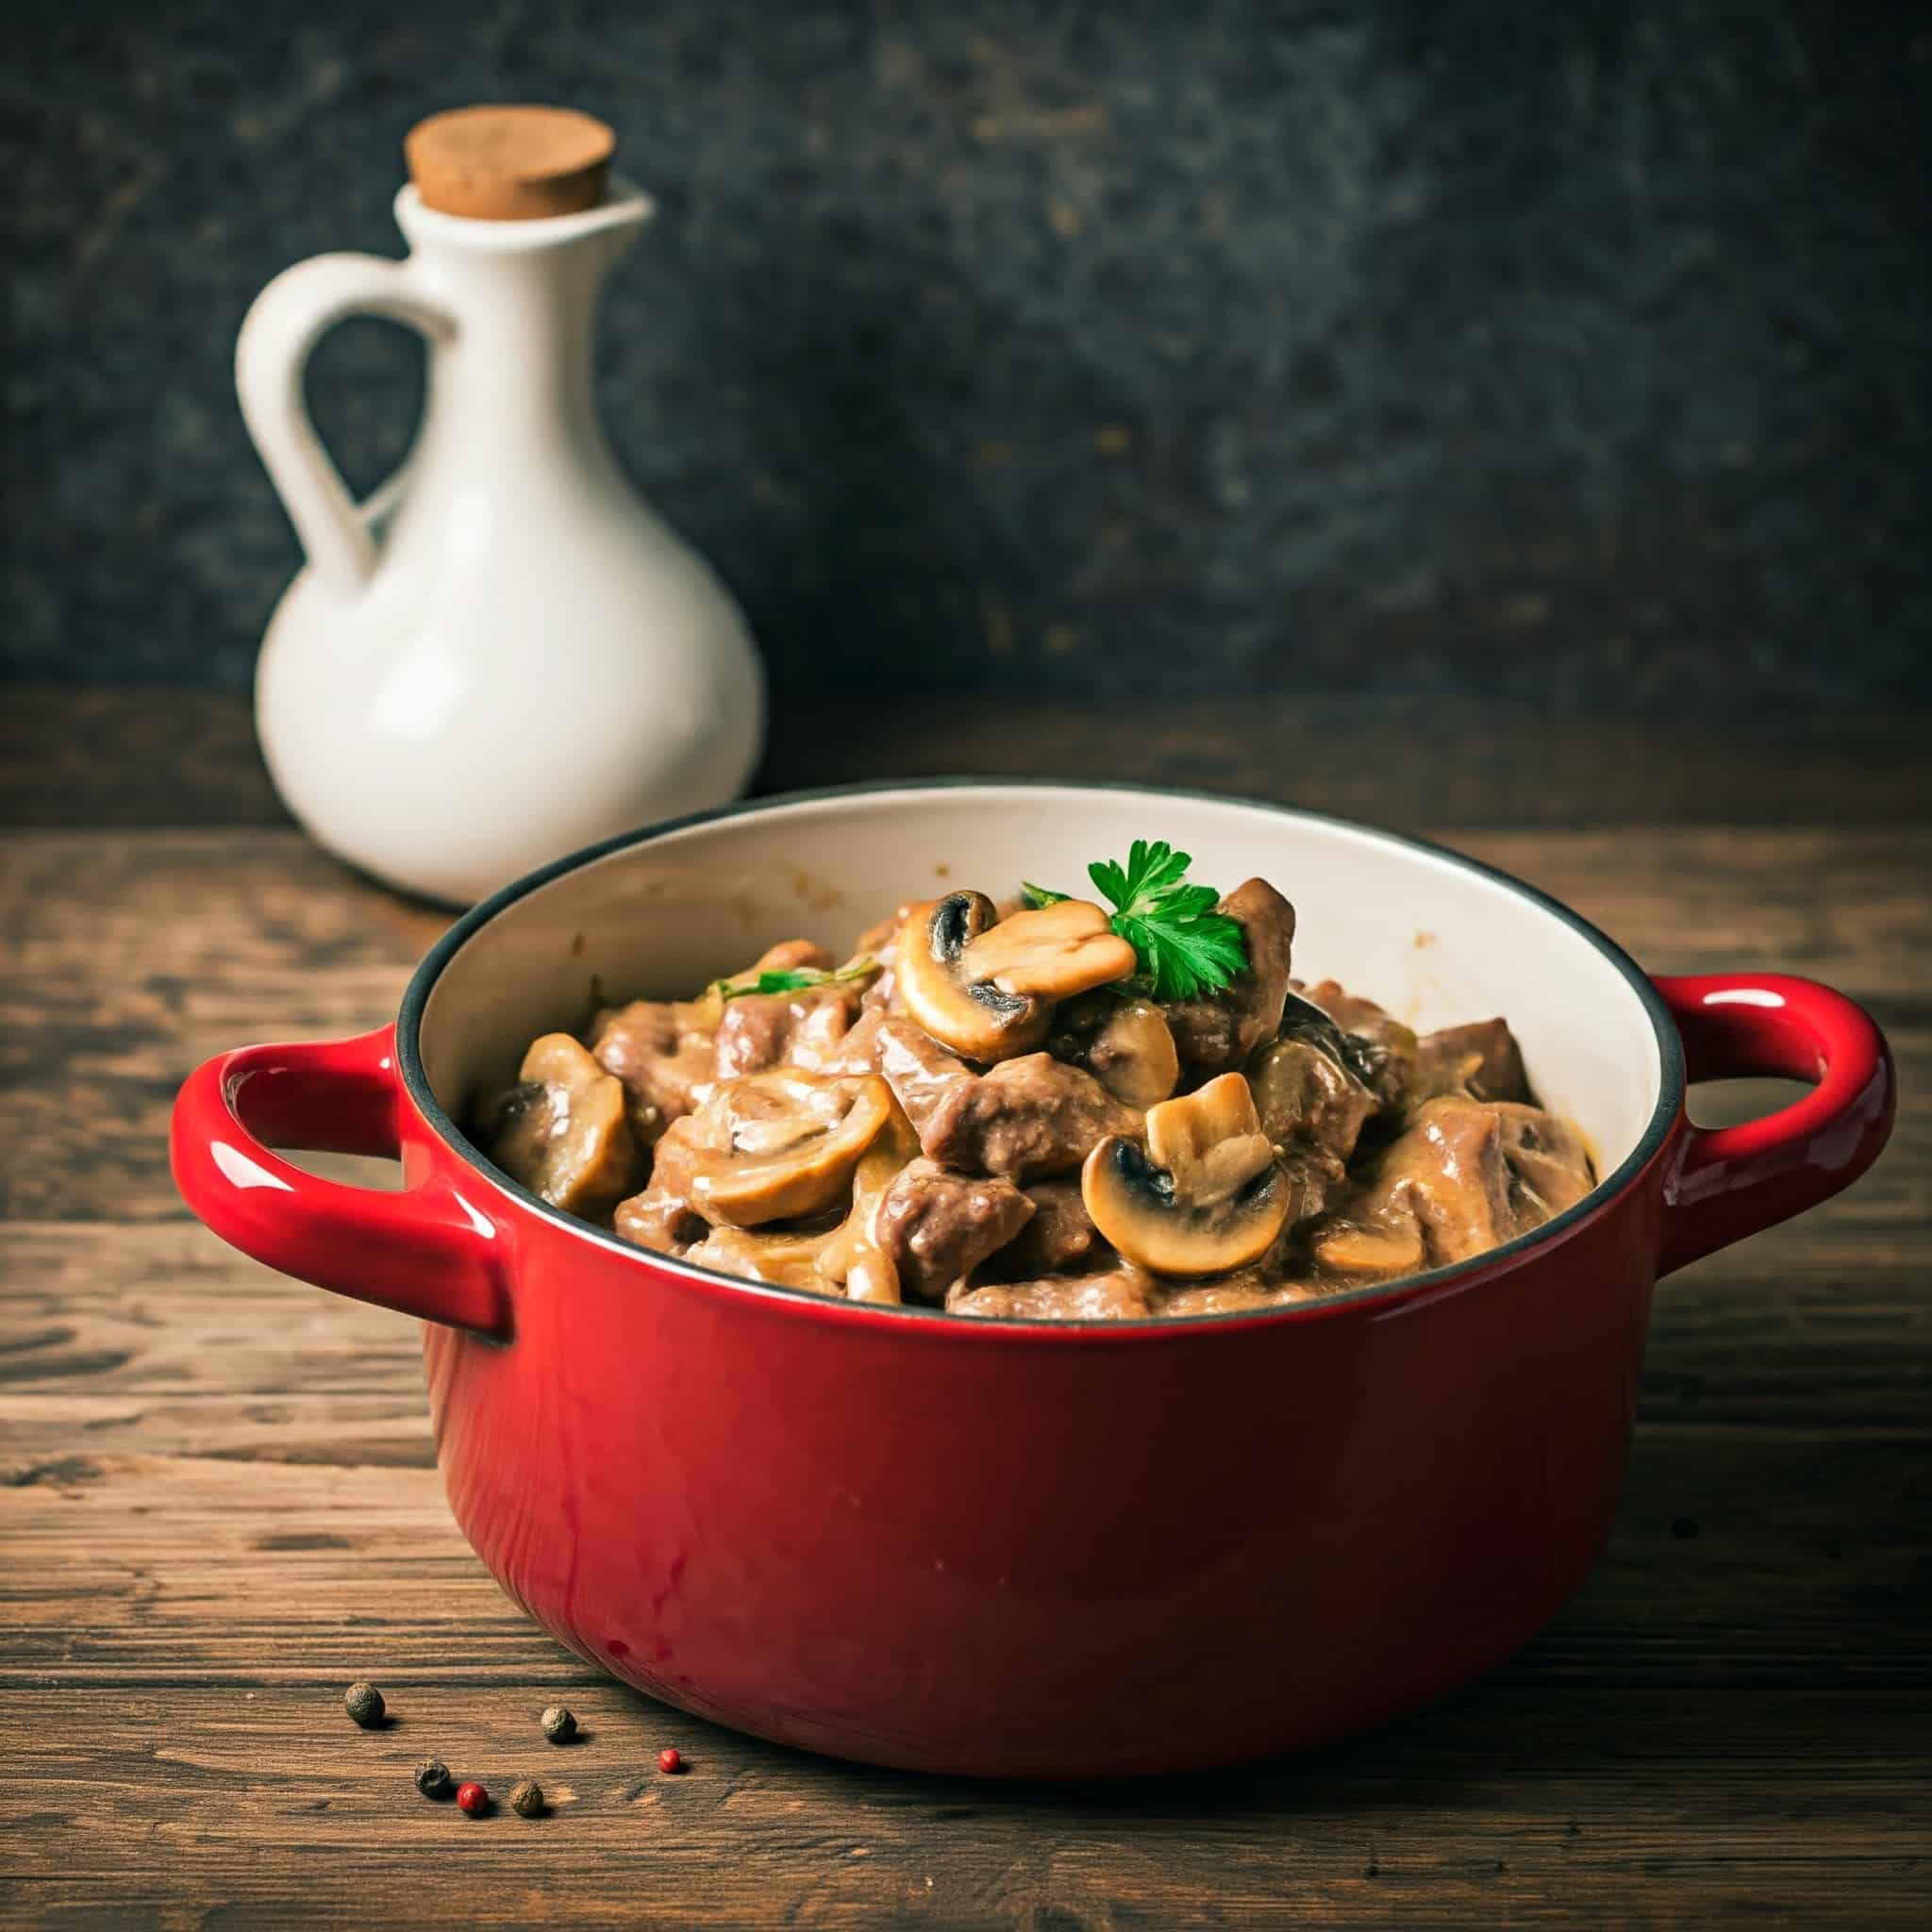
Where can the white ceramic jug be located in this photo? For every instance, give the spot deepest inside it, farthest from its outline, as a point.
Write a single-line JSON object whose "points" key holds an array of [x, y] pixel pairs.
{"points": [[503, 654]]}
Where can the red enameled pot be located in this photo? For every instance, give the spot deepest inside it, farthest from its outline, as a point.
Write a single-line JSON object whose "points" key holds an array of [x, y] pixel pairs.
{"points": [[1009, 1548]]}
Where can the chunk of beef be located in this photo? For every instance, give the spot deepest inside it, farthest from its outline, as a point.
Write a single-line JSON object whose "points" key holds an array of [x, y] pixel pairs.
{"points": [[760, 1030], [1026, 1119], [662, 1053], [1481, 1060], [936, 1226], [1060, 1239], [1222, 1029], [1124, 1294], [878, 940], [858, 1050], [918, 1069], [881, 942]]}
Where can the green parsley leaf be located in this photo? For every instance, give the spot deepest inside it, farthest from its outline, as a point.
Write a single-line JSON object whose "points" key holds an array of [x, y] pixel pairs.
{"points": [[1037, 896], [1184, 947], [795, 978]]}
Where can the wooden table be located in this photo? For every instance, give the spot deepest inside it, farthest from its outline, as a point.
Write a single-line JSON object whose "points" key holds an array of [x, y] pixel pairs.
{"points": [[218, 1503]]}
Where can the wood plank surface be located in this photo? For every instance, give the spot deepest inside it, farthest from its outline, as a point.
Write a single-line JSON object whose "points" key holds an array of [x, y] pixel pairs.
{"points": [[218, 1498]]}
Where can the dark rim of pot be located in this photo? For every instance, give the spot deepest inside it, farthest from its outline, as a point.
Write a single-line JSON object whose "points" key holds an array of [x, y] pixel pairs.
{"points": [[1670, 1091]]}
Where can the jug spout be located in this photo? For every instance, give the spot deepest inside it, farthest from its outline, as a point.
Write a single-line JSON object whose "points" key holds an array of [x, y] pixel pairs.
{"points": [[522, 297]]}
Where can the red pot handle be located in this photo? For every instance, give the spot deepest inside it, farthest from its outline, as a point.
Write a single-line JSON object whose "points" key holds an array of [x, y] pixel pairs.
{"points": [[1729, 1182], [424, 1250]]}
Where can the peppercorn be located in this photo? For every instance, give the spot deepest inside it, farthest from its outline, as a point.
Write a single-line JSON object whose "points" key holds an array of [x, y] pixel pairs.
{"points": [[559, 1723], [432, 1778], [526, 1798], [472, 1799], [363, 1702], [669, 1761]]}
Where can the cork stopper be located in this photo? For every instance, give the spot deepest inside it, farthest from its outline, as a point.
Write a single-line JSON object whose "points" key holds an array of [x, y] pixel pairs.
{"points": [[509, 164]]}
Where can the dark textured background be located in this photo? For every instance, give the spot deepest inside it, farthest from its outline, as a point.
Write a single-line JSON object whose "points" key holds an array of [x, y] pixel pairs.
{"points": [[1567, 350]]}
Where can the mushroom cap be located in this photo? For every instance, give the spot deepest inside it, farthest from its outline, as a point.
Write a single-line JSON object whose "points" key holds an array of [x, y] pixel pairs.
{"points": [[980, 1022], [985, 985], [1205, 1195], [565, 1135], [782, 1143], [1126, 1044], [1051, 951]]}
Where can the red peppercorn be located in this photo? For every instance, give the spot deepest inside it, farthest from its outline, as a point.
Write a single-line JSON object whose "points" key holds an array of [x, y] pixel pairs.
{"points": [[669, 1761], [472, 1799]]}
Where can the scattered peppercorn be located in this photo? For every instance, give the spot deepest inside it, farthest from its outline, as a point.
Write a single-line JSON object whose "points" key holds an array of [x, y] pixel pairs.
{"points": [[559, 1723], [433, 1778], [669, 1759], [363, 1702], [472, 1799], [526, 1798]]}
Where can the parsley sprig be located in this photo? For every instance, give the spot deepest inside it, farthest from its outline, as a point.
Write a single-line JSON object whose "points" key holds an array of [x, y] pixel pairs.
{"points": [[1184, 946], [794, 978]]}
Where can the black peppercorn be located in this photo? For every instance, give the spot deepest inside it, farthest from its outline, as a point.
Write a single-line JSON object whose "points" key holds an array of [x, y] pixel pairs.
{"points": [[433, 1779], [526, 1798], [363, 1702], [560, 1725]]}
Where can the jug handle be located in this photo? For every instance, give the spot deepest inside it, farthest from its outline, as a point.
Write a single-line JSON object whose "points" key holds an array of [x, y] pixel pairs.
{"points": [[278, 333]]}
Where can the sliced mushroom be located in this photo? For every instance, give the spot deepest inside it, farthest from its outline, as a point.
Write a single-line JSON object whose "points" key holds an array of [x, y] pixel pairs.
{"points": [[855, 1255], [1126, 1044], [986, 989], [1365, 1251], [1205, 1195], [786, 1257], [844, 1257], [1549, 1164], [774, 1146], [1474, 1173], [562, 1131]]}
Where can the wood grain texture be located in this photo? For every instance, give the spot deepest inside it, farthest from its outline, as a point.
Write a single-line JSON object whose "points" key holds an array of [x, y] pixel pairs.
{"points": [[85, 758], [219, 1502]]}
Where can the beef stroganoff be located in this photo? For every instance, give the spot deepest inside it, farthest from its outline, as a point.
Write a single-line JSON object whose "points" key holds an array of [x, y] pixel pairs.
{"points": [[1044, 1108]]}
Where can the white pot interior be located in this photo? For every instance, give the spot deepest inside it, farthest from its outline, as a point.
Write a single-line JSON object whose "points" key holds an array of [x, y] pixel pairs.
{"points": [[1432, 940]]}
